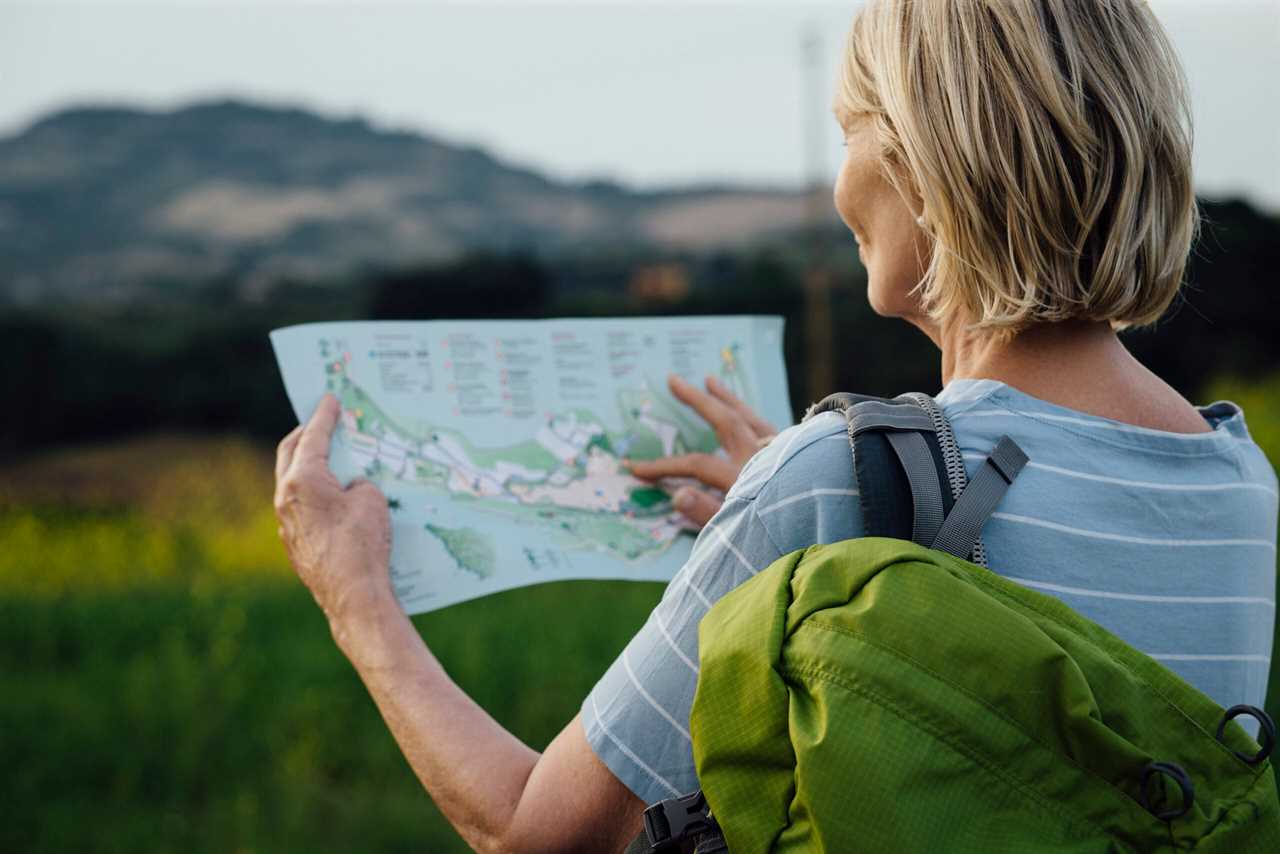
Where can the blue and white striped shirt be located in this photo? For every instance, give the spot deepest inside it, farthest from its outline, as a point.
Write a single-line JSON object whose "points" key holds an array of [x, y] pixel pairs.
{"points": [[1166, 539]]}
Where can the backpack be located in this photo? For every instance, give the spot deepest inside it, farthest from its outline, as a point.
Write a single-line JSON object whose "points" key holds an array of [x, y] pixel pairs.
{"points": [[891, 693]]}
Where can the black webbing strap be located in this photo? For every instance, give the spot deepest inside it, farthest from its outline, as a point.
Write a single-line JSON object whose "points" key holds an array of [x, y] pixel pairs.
{"points": [[987, 486]]}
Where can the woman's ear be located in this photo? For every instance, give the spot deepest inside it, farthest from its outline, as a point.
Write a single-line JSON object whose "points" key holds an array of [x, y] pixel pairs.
{"points": [[899, 174]]}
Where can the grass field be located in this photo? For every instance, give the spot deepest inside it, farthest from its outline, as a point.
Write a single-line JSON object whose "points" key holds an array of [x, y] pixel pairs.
{"points": [[167, 685], [162, 719]]}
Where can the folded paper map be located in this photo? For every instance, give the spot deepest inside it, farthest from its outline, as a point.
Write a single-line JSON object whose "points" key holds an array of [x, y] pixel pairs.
{"points": [[499, 444]]}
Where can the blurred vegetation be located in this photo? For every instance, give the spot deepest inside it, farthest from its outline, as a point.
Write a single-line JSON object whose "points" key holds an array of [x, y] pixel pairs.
{"points": [[221, 718], [170, 509], [165, 684], [1260, 400], [196, 356]]}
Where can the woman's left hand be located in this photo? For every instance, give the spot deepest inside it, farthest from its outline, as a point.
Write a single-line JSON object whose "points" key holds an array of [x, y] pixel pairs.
{"points": [[338, 539]]}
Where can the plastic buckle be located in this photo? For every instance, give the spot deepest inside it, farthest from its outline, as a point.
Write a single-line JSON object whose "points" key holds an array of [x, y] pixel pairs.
{"points": [[668, 823]]}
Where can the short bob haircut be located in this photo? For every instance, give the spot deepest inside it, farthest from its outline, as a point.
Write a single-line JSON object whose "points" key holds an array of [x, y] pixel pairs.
{"points": [[1050, 144]]}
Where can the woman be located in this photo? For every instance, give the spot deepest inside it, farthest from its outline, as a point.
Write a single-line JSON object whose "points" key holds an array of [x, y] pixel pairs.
{"points": [[1018, 180]]}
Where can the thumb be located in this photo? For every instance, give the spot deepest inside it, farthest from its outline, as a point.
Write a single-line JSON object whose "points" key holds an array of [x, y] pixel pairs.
{"points": [[696, 505]]}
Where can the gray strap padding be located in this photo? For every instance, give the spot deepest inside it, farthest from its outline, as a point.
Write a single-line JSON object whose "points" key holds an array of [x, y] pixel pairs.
{"points": [[926, 491], [987, 486], [880, 416]]}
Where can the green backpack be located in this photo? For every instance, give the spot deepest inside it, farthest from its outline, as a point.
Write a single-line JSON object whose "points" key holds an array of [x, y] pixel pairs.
{"points": [[890, 693]]}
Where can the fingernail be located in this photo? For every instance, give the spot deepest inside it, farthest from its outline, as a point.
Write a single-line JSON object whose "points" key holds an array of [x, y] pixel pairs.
{"points": [[684, 499]]}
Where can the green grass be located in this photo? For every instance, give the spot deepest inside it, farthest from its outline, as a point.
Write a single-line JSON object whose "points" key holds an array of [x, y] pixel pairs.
{"points": [[162, 719], [166, 684]]}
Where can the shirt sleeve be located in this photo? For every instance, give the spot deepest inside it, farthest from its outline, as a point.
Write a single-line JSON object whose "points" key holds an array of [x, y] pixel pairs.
{"points": [[636, 718]]}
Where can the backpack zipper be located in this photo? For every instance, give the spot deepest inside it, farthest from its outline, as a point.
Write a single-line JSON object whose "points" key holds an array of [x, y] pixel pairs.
{"points": [[957, 478]]}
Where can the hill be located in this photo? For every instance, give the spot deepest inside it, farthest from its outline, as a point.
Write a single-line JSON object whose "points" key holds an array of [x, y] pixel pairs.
{"points": [[95, 200]]}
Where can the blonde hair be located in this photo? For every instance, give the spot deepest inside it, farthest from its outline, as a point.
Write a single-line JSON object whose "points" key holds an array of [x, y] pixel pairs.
{"points": [[1050, 144]]}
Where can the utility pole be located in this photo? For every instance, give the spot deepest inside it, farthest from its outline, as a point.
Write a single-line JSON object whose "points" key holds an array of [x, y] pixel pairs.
{"points": [[820, 355]]}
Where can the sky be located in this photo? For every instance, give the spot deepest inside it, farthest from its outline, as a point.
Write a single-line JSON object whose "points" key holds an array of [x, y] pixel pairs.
{"points": [[644, 93]]}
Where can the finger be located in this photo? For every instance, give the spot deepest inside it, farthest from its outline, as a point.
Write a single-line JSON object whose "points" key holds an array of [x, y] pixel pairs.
{"points": [[694, 465], [731, 430], [716, 413], [697, 506], [711, 470], [722, 393], [314, 441], [284, 451]]}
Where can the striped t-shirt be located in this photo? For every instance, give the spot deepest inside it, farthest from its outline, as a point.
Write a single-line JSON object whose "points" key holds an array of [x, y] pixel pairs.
{"points": [[1166, 539]]}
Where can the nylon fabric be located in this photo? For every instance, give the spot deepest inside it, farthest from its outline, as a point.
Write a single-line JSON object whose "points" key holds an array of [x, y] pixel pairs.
{"points": [[889, 509], [874, 695]]}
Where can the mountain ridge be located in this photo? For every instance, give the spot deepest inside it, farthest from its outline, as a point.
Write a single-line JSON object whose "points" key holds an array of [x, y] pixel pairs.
{"points": [[95, 199]]}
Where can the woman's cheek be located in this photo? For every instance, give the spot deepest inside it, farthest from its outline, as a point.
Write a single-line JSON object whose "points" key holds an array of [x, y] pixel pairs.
{"points": [[889, 283], [879, 295]]}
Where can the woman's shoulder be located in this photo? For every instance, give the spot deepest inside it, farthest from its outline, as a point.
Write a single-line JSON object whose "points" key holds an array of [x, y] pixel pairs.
{"points": [[1059, 437], [812, 454], [970, 399], [815, 454]]}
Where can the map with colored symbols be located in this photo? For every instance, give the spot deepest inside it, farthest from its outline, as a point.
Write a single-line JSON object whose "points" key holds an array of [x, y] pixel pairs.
{"points": [[499, 444]]}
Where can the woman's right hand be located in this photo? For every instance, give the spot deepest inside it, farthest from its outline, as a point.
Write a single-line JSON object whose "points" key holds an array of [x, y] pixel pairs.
{"points": [[741, 433]]}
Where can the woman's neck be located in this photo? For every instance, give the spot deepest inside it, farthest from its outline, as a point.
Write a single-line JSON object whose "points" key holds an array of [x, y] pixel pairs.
{"points": [[1081, 365], [1045, 353]]}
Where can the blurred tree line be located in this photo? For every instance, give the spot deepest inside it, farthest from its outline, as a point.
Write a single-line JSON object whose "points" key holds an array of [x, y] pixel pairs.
{"points": [[192, 358]]}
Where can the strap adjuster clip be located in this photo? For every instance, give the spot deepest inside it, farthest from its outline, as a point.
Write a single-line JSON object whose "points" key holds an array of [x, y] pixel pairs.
{"points": [[670, 822]]}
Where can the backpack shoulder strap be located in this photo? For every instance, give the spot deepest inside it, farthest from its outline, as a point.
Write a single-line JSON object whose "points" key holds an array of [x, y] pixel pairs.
{"points": [[912, 483]]}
